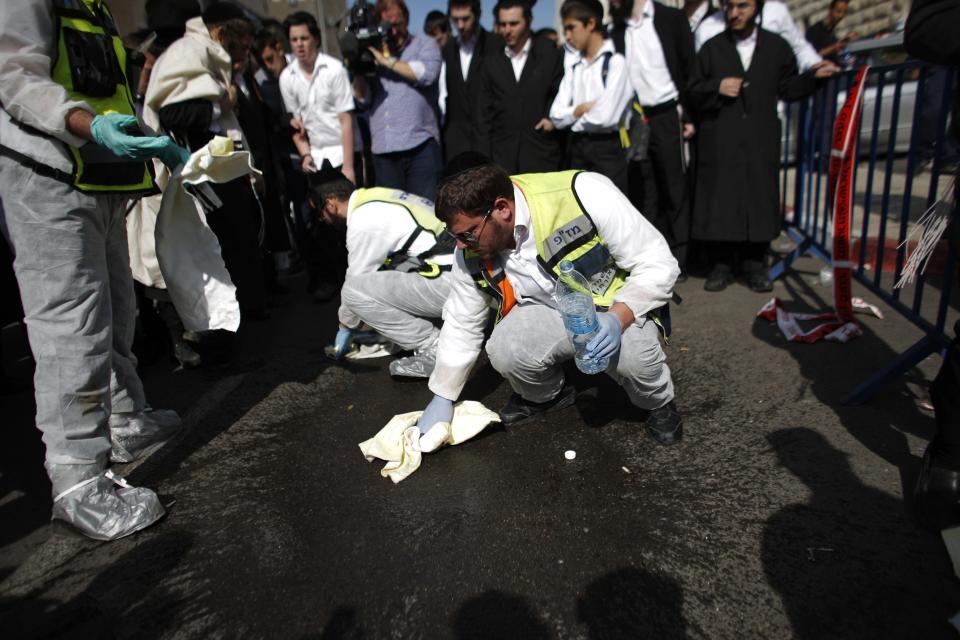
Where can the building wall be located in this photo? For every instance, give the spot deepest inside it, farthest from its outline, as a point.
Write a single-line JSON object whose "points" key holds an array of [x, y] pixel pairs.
{"points": [[130, 14], [866, 17]]}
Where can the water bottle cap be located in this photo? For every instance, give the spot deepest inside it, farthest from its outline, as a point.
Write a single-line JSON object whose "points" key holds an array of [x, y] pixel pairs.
{"points": [[566, 266]]}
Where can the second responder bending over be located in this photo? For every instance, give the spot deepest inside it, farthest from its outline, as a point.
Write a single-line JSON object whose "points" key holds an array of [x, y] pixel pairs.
{"points": [[398, 267], [512, 233]]}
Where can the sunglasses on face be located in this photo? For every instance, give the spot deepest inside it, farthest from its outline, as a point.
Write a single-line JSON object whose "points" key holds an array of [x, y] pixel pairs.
{"points": [[469, 237]]}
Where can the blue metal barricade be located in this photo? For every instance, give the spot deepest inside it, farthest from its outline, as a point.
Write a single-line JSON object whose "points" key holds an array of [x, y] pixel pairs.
{"points": [[903, 146]]}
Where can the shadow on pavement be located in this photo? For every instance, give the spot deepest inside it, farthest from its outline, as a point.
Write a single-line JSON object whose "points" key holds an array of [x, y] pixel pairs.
{"points": [[129, 598], [843, 564], [493, 615], [830, 372], [632, 604]]}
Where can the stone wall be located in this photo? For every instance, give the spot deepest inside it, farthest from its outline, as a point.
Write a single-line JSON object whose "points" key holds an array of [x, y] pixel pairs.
{"points": [[866, 17]]}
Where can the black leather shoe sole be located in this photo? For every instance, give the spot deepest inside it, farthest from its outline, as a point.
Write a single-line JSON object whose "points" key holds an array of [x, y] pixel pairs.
{"points": [[517, 410], [936, 497], [665, 425]]}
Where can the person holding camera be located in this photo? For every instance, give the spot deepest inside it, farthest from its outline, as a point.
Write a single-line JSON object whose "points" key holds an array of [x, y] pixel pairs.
{"points": [[402, 94]]}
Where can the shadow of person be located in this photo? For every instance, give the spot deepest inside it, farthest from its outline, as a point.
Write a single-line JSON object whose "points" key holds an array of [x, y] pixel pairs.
{"points": [[830, 371], [343, 625], [132, 596], [494, 615], [632, 604], [848, 563]]}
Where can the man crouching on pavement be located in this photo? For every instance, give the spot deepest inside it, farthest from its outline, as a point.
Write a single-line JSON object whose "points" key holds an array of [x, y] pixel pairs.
{"points": [[398, 267], [512, 233]]}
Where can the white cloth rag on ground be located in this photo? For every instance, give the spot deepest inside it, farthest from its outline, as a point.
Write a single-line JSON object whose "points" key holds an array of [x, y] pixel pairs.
{"points": [[399, 441]]}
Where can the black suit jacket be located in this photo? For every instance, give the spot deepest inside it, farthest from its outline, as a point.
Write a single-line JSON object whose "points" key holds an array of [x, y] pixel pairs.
{"points": [[673, 29], [459, 132], [507, 110]]}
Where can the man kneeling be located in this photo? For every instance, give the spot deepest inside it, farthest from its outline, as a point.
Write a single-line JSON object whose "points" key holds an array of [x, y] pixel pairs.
{"points": [[398, 267], [512, 233]]}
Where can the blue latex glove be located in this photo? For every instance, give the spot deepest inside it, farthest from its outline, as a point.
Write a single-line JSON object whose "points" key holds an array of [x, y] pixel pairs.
{"points": [[172, 154], [109, 131], [606, 343], [341, 344], [439, 410]]}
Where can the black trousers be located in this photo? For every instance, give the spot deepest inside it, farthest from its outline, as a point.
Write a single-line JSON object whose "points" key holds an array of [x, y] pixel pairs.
{"points": [[235, 226], [659, 185], [599, 152], [945, 395]]}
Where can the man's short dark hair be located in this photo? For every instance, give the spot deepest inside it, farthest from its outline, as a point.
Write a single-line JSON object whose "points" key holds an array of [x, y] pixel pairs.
{"points": [[834, 3], [382, 6], [582, 11], [265, 40], [472, 192], [510, 4], [473, 5], [436, 21], [339, 188], [230, 17], [298, 18]]}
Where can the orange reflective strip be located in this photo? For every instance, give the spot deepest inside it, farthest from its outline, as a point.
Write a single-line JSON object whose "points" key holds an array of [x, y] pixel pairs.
{"points": [[506, 290]]}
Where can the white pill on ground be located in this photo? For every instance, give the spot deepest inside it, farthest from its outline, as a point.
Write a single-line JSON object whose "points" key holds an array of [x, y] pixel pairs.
{"points": [[570, 454]]}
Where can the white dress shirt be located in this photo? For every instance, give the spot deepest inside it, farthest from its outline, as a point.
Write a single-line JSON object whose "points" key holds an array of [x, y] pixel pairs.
{"points": [[649, 74], [585, 83], [699, 15], [518, 60], [745, 49], [634, 243], [318, 103], [466, 49], [374, 231], [776, 18]]}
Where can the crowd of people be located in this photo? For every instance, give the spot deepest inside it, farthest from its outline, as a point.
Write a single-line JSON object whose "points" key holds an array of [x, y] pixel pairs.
{"points": [[433, 181]]}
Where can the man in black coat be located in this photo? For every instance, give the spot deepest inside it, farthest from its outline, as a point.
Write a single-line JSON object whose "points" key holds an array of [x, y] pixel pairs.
{"points": [[463, 57], [661, 63], [742, 73], [931, 34], [519, 79]]}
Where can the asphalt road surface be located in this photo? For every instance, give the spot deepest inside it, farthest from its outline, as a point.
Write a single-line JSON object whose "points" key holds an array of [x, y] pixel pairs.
{"points": [[781, 514]]}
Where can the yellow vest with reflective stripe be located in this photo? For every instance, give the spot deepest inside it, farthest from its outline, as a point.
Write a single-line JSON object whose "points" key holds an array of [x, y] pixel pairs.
{"points": [[421, 210], [564, 231], [90, 62]]}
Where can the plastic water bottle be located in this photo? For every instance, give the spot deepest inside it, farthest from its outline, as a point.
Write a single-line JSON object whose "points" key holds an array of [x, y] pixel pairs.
{"points": [[572, 294]]}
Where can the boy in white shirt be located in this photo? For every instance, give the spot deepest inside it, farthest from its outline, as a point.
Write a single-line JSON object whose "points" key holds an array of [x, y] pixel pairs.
{"points": [[592, 95], [317, 92]]}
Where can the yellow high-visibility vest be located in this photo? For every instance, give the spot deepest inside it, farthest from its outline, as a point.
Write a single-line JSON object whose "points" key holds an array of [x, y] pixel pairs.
{"points": [[90, 62]]}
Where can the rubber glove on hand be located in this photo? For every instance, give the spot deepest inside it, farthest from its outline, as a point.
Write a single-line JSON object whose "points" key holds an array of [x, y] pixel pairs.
{"points": [[172, 154], [341, 344], [607, 341], [439, 410], [109, 132]]}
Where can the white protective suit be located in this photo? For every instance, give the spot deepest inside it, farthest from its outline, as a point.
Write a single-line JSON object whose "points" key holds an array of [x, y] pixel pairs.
{"points": [[399, 306], [529, 344], [73, 269]]}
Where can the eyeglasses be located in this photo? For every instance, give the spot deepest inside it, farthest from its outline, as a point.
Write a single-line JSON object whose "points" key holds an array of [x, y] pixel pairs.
{"points": [[469, 237]]}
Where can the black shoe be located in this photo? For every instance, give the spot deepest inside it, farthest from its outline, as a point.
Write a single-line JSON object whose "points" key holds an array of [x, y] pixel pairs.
{"points": [[759, 282], [665, 424], [719, 278], [682, 277], [517, 410], [936, 498]]}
